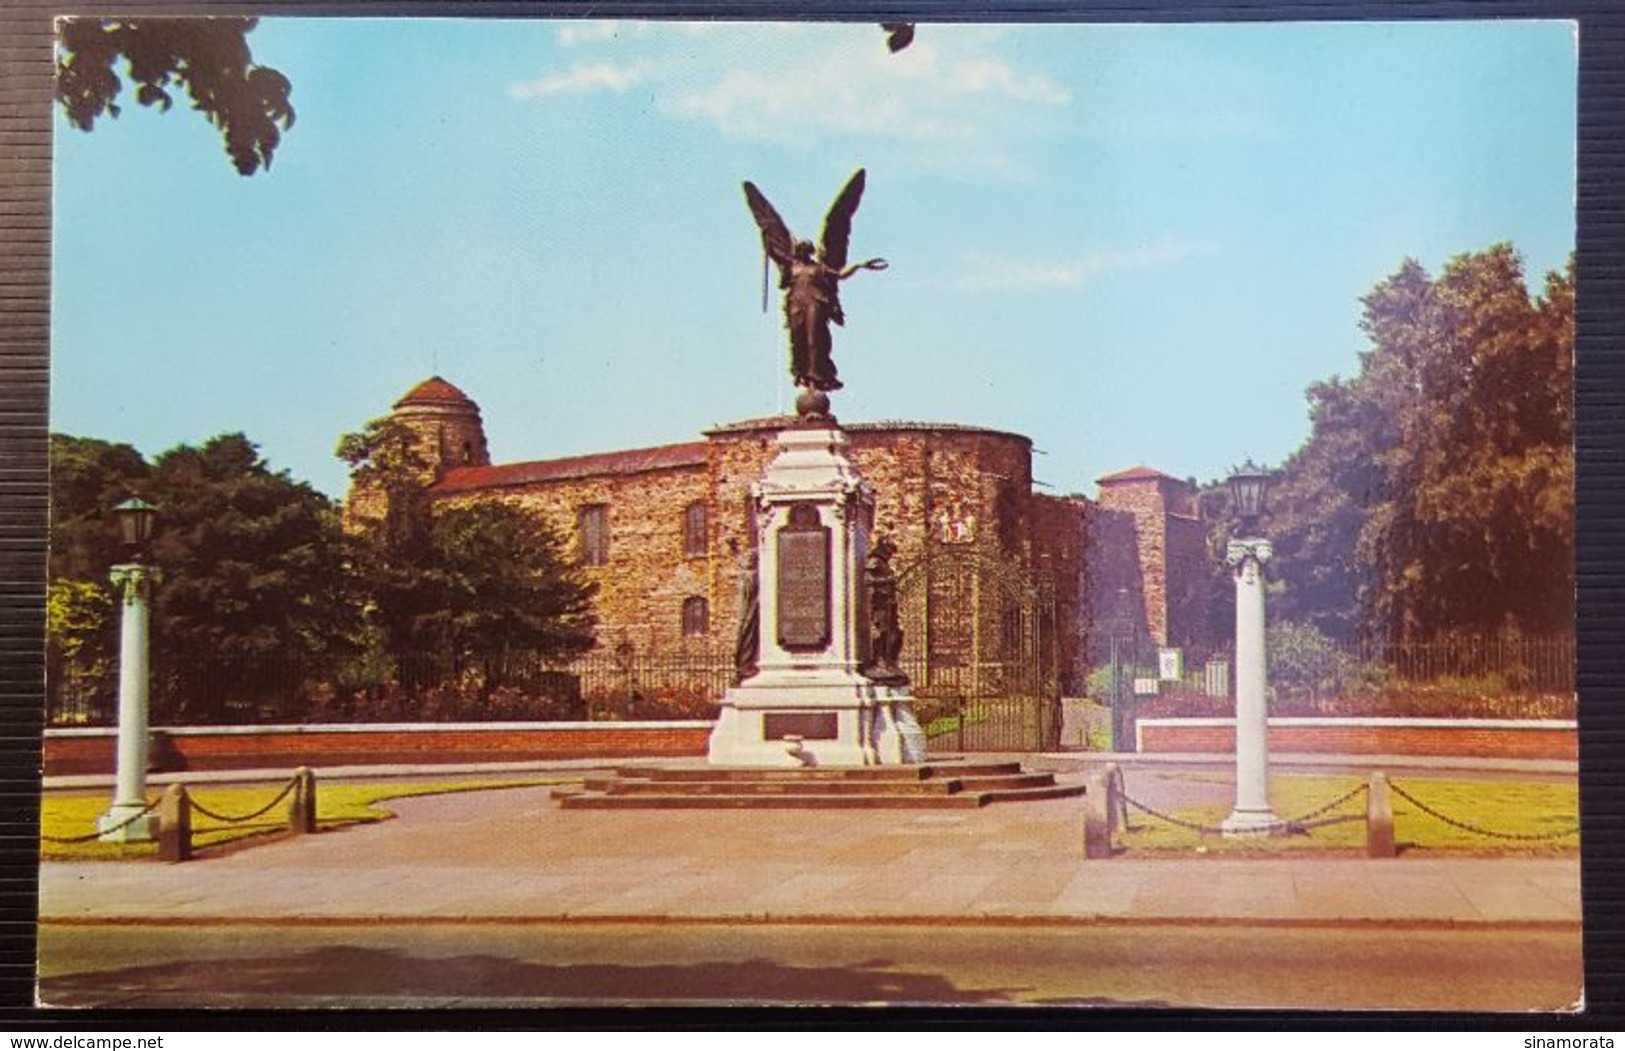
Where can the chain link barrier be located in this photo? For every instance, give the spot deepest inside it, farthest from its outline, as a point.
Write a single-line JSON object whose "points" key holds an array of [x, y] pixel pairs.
{"points": [[99, 833], [1520, 837], [261, 812], [1193, 826], [1302, 821], [1291, 824]]}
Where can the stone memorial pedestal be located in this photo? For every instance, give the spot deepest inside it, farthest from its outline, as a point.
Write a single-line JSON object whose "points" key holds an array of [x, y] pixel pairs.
{"points": [[808, 703]]}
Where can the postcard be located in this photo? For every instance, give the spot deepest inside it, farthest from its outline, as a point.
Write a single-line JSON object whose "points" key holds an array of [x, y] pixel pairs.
{"points": [[559, 513]]}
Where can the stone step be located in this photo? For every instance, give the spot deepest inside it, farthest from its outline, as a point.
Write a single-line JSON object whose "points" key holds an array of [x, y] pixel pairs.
{"points": [[797, 801], [779, 786], [1010, 782], [810, 794], [1033, 795], [922, 772]]}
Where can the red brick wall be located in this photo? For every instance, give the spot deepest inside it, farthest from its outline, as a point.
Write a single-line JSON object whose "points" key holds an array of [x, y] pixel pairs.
{"points": [[1392, 738], [77, 753]]}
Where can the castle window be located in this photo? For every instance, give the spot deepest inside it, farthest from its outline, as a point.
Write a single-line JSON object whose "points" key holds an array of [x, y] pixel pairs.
{"points": [[696, 537], [592, 534], [696, 617]]}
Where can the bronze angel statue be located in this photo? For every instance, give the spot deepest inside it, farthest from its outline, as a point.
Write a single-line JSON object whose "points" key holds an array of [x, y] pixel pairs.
{"points": [[811, 280]]}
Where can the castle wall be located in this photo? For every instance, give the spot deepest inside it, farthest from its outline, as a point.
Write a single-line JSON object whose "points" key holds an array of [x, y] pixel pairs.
{"points": [[941, 488], [1156, 571], [642, 587]]}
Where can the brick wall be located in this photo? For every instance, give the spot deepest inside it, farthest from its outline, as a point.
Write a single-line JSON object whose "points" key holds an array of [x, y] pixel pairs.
{"points": [[240, 748], [642, 588], [937, 486], [1471, 738]]}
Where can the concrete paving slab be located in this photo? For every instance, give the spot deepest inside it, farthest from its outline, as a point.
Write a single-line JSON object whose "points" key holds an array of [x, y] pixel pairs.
{"points": [[514, 853]]}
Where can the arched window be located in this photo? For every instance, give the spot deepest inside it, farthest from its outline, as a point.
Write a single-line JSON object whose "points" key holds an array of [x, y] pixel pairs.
{"points": [[696, 617], [696, 536]]}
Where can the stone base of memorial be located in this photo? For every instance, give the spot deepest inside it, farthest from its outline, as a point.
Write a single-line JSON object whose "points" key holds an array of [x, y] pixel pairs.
{"points": [[800, 723], [808, 703]]}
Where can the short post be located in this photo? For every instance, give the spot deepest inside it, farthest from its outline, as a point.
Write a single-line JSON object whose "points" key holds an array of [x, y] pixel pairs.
{"points": [[175, 824], [1379, 818], [1100, 809], [302, 807]]}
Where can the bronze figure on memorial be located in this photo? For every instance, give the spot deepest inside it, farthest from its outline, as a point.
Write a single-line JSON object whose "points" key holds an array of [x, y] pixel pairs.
{"points": [[885, 626], [748, 637], [811, 281]]}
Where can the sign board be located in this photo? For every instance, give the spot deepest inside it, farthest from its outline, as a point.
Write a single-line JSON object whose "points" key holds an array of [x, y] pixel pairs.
{"points": [[803, 586], [1170, 664], [1146, 687], [809, 726]]}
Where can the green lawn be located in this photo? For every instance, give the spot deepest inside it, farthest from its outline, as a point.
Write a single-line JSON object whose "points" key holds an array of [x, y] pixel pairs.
{"points": [[64, 815], [1513, 807]]}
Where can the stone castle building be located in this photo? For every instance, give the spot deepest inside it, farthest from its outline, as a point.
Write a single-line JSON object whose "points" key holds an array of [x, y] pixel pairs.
{"points": [[661, 530]]}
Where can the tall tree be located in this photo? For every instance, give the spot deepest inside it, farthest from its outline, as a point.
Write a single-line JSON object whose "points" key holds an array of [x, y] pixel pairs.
{"points": [[207, 58], [495, 584], [1435, 493], [88, 479], [253, 583], [457, 586]]}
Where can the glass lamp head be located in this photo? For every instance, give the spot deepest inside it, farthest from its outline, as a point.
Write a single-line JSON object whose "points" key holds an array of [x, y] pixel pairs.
{"points": [[135, 521]]}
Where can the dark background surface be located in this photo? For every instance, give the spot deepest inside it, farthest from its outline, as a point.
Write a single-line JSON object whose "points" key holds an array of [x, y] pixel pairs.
{"points": [[28, 120]]}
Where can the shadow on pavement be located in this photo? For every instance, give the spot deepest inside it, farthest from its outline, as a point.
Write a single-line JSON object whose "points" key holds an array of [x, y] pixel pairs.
{"points": [[337, 973]]}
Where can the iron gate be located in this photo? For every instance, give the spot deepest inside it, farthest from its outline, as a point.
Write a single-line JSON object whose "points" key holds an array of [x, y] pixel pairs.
{"points": [[980, 649]]}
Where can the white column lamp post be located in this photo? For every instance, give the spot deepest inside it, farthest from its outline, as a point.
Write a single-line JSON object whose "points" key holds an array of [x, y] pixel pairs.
{"points": [[132, 580], [1246, 557]]}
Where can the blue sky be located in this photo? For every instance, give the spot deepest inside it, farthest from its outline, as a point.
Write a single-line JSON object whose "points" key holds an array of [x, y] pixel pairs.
{"points": [[1134, 244]]}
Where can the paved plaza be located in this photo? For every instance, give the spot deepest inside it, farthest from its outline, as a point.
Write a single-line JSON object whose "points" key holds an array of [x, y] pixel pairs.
{"points": [[513, 854]]}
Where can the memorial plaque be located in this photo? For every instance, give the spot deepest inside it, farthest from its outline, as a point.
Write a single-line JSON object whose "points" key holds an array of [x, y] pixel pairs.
{"points": [[809, 726], [803, 599]]}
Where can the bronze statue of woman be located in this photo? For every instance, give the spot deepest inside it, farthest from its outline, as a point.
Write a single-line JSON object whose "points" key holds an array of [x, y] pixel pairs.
{"points": [[810, 278]]}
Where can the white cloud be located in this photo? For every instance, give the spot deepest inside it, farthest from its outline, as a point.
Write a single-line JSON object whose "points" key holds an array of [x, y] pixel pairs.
{"points": [[586, 32], [950, 100], [979, 76], [924, 94], [583, 78], [993, 274]]}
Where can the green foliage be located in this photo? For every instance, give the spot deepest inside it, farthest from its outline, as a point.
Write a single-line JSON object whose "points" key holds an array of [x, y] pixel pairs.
{"points": [[267, 609], [386, 458], [81, 662], [485, 586], [1436, 491], [88, 479], [208, 58], [1306, 666], [251, 566]]}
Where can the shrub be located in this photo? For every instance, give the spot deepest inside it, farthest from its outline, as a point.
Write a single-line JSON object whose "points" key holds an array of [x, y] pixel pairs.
{"points": [[1308, 673]]}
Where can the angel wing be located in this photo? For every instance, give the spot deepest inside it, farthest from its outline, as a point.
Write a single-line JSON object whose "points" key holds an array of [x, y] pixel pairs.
{"points": [[776, 239], [838, 223]]}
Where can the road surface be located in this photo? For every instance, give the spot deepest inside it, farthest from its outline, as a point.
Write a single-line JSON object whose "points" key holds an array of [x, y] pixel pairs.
{"points": [[430, 964]]}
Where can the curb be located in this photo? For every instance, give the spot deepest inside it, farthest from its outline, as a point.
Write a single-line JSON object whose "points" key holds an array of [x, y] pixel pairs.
{"points": [[1090, 920], [1128, 760]]}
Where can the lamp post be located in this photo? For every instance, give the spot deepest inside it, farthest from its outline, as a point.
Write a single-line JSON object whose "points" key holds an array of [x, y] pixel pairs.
{"points": [[1246, 556], [133, 579]]}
